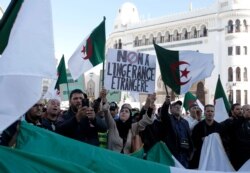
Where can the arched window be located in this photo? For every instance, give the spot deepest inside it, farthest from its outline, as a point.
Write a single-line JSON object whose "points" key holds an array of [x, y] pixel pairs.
{"points": [[230, 27], [158, 38], [203, 31], [245, 74], [120, 44], [115, 45], [245, 25], [167, 37], [237, 25], [151, 38], [230, 74], [143, 40], [200, 92], [238, 96], [91, 88], [193, 32], [136, 42], [238, 74], [175, 36], [184, 34]]}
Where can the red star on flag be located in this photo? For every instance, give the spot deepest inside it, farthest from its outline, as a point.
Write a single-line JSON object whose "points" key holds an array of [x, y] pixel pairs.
{"points": [[184, 73]]}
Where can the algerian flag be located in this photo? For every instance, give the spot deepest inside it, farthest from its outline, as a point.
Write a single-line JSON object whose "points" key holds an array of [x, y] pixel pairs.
{"points": [[89, 53], [181, 69], [27, 57], [212, 146], [61, 73], [222, 106], [161, 154], [72, 156], [189, 99], [54, 89]]}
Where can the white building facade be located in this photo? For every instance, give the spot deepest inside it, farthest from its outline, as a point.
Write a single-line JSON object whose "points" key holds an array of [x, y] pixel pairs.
{"points": [[221, 29]]}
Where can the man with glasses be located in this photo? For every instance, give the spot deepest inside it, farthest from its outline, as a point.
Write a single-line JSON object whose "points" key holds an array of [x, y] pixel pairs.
{"points": [[32, 116]]}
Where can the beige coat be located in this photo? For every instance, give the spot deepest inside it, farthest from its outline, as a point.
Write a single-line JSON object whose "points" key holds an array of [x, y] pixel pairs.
{"points": [[115, 142]]}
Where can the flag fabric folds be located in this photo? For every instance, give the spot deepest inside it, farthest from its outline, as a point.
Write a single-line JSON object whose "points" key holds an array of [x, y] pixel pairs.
{"points": [[7, 22], [40, 150], [27, 59], [89, 53], [189, 99], [213, 156], [97, 159], [181, 69], [221, 105], [61, 73]]}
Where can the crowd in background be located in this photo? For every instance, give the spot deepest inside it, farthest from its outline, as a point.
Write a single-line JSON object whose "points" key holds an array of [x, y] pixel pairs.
{"points": [[124, 130]]}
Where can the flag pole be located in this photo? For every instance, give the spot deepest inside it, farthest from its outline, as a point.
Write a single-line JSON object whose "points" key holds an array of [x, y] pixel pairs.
{"points": [[166, 90], [104, 18]]}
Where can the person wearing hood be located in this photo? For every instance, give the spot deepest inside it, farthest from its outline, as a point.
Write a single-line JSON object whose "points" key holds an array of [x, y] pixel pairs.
{"points": [[122, 131]]}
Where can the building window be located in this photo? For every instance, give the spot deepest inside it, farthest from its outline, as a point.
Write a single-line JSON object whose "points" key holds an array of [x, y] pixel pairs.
{"points": [[230, 74], [238, 96], [230, 50], [237, 50], [203, 31], [245, 74], [115, 45], [231, 96], [230, 26], [237, 25], [136, 42], [193, 32], [245, 25], [120, 44], [167, 37], [151, 38], [245, 95], [238, 74], [184, 34], [158, 38], [245, 50]]}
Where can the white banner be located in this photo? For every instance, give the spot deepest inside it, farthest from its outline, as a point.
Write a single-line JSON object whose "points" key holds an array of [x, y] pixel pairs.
{"points": [[130, 71]]}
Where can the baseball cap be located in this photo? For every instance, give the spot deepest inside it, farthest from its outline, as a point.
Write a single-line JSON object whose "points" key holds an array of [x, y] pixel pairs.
{"points": [[178, 102], [193, 105]]}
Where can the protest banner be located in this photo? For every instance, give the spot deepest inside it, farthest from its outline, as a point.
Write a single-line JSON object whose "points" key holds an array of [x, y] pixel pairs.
{"points": [[130, 71]]}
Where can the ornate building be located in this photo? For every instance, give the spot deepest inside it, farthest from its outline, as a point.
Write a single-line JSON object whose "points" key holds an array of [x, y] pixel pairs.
{"points": [[221, 29]]}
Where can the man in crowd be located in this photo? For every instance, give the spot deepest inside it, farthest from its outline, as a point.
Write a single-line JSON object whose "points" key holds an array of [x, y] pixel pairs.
{"points": [[51, 114], [80, 121], [201, 130], [32, 116], [195, 115], [178, 135]]}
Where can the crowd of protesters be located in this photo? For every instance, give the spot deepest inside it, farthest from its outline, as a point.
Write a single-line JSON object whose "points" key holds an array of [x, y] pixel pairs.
{"points": [[102, 123]]}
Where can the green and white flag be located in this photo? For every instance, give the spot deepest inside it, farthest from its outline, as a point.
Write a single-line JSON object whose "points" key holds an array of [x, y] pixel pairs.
{"points": [[40, 150], [181, 69], [221, 105], [189, 99], [27, 48], [89, 53]]}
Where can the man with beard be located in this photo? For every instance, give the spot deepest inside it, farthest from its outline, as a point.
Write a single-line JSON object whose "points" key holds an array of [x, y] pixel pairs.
{"points": [[32, 116], [80, 121]]}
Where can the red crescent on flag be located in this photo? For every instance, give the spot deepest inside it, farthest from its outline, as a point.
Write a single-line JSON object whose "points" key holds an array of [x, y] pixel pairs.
{"points": [[174, 67], [89, 50]]}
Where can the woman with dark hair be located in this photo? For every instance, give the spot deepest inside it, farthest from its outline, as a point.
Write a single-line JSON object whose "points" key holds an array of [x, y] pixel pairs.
{"points": [[121, 132]]}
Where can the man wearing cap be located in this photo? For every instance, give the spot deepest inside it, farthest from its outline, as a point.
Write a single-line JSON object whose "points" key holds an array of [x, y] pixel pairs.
{"points": [[114, 110], [195, 115], [178, 135]]}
